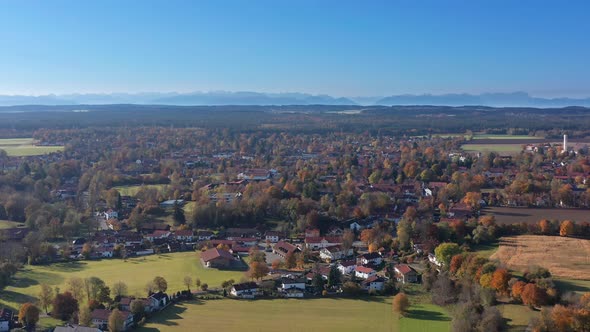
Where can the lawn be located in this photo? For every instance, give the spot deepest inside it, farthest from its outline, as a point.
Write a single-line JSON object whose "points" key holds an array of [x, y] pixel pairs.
{"points": [[517, 315], [25, 147], [4, 224], [489, 136], [132, 190], [425, 317], [485, 250], [508, 148], [322, 315], [136, 272]]}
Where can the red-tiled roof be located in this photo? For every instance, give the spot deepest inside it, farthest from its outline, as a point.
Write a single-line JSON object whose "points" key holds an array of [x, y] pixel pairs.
{"points": [[215, 253]]}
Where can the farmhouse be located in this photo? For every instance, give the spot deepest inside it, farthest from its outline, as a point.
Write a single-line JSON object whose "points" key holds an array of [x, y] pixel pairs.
{"points": [[75, 328], [334, 253], [364, 272], [283, 248], [183, 235], [100, 318], [374, 283], [246, 290], [346, 267], [111, 214], [405, 274], [158, 301], [217, 258], [204, 235], [372, 258], [316, 243], [171, 202], [255, 174], [272, 236]]}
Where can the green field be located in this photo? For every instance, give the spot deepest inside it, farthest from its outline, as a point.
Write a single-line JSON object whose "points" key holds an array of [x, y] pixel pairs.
{"points": [[132, 190], [485, 250], [24, 147], [136, 272], [517, 315], [4, 224], [512, 148], [486, 136], [322, 314]]}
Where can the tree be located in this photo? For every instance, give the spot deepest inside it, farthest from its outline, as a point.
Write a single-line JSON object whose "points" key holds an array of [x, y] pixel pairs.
{"points": [[373, 247], [317, 282], [276, 264], [258, 270], [28, 315], [45, 296], [204, 287], [160, 284], [334, 276], [500, 279], [491, 320], [76, 287], [97, 290], [347, 240], [178, 215], [290, 260], [119, 289], [566, 228], [532, 295], [64, 306], [188, 281], [445, 252], [85, 316], [351, 288], [400, 304], [198, 282], [137, 308], [116, 322], [517, 289], [472, 199], [545, 226]]}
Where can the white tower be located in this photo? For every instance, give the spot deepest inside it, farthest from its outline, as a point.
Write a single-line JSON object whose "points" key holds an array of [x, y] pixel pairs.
{"points": [[564, 143]]}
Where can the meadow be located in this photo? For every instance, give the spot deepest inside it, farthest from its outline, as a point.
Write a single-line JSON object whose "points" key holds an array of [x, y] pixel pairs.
{"points": [[507, 148], [135, 272], [4, 224], [564, 257], [133, 190], [19, 147], [317, 314]]}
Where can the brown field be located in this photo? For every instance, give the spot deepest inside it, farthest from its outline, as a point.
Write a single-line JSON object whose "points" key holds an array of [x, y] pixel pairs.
{"points": [[506, 215], [564, 257]]}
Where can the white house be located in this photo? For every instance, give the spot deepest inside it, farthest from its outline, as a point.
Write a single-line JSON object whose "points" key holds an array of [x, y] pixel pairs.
{"points": [[111, 214], [292, 287], [334, 253], [272, 236], [246, 290], [371, 258], [433, 260], [100, 318], [158, 301], [373, 283], [346, 267], [405, 273], [316, 243], [364, 272]]}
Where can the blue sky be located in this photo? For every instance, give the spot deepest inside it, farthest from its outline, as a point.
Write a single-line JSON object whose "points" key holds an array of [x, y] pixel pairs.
{"points": [[342, 48]]}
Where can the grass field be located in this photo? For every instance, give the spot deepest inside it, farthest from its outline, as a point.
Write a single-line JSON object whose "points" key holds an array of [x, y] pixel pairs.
{"points": [[508, 148], [136, 272], [4, 224], [486, 136], [132, 190], [517, 315], [323, 314], [485, 250], [564, 257], [506, 215], [25, 147]]}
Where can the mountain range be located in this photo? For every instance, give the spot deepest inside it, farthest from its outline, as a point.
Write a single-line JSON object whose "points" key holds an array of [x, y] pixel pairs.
{"points": [[516, 99]]}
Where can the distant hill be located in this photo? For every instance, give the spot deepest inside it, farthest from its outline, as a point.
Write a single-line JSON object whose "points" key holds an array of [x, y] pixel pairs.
{"points": [[181, 99], [514, 99]]}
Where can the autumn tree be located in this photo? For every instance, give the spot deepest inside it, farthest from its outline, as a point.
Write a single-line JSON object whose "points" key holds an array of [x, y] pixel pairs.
{"points": [[545, 226], [75, 286], [161, 285], [445, 252], [276, 264], [188, 281], [566, 228], [472, 199], [85, 316], [517, 289], [401, 304], [257, 270], [119, 289], [28, 315], [500, 279], [137, 308], [290, 260], [45, 296], [532, 295], [116, 323], [347, 240], [64, 305]]}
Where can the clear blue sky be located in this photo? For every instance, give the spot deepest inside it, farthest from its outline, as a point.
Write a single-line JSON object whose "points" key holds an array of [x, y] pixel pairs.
{"points": [[343, 48]]}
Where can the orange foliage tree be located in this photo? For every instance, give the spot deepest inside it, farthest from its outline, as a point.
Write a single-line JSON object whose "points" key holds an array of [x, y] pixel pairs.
{"points": [[566, 228], [500, 279], [532, 295], [545, 226], [517, 289]]}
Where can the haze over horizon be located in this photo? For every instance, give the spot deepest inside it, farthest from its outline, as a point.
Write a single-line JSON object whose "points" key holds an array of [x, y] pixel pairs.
{"points": [[380, 48]]}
